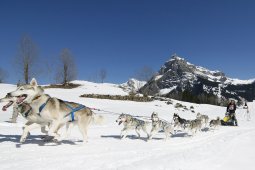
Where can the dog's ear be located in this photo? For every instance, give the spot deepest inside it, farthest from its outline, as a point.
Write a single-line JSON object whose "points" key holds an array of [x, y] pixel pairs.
{"points": [[33, 82], [152, 114]]}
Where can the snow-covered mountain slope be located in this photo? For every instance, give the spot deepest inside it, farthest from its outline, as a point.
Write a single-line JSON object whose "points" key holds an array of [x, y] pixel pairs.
{"points": [[226, 148], [132, 85], [178, 75], [100, 88], [109, 88]]}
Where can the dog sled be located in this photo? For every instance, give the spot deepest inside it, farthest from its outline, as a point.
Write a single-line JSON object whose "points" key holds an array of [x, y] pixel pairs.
{"points": [[228, 120]]}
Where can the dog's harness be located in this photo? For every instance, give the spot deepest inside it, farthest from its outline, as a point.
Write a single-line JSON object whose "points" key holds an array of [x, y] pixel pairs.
{"points": [[73, 110], [43, 105]]}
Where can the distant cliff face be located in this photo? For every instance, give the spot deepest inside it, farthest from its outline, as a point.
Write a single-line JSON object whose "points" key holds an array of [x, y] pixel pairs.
{"points": [[132, 85], [177, 76]]}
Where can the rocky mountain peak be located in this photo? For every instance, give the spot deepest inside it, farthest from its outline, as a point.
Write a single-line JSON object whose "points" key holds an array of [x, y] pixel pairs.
{"points": [[178, 75], [177, 64]]}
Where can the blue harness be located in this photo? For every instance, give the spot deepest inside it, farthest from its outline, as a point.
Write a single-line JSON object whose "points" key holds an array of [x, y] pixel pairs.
{"points": [[43, 105], [73, 110]]}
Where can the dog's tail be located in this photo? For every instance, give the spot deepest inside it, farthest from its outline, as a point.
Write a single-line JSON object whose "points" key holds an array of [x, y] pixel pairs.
{"points": [[97, 119]]}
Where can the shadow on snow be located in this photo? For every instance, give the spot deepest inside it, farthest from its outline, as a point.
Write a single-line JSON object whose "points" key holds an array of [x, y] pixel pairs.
{"points": [[32, 139]]}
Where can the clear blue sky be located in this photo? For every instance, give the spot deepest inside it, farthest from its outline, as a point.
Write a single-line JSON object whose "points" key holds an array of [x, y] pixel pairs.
{"points": [[124, 35]]}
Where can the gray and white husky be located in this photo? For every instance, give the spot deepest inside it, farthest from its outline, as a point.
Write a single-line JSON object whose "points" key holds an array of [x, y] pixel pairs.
{"points": [[53, 110], [204, 118], [215, 123], [27, 112], [131, 123], [195, 125], [158, 124]]}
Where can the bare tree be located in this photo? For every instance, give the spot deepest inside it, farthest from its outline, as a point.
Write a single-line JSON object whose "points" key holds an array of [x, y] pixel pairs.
{"points": [[67, 70], [144, 74], [26, 58], [3, 75], [102, 74]]}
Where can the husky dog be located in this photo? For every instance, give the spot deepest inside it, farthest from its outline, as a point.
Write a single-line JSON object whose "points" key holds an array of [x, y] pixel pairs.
{"points": [[158, 124], [195, 125], [15, 112], [180, 122], [215, 123], [131, 123], [26, 111], [53, 110], [204, 118]]}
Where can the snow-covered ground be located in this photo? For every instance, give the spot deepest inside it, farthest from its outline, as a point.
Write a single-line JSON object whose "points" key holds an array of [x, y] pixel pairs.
{"points": [[98, 88], [222, 149]]}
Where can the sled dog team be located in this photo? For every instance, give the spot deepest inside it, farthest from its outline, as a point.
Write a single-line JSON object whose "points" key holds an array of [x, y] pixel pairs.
{"points": [[43, 111], [132, 123]]}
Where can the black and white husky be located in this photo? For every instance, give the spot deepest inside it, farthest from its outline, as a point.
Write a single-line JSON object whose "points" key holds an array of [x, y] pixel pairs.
{"points": [[180, 122]]}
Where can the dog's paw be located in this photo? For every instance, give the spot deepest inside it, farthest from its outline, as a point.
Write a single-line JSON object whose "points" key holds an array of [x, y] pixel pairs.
{"points": [[22, 140], [55, 140], [148, 139]]}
